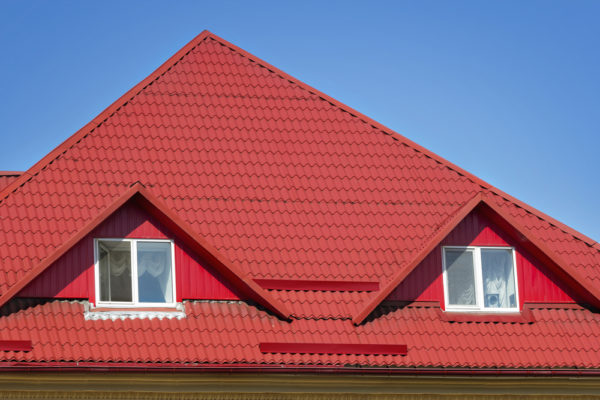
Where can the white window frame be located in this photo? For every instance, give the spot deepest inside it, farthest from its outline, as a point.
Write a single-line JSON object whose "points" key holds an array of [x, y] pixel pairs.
{"points": [[478, 272], [134, 277]]}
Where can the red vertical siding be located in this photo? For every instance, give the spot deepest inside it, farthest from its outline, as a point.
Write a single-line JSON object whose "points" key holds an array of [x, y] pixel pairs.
{"points": [[536, 282], [197, 280], [72, 276]]}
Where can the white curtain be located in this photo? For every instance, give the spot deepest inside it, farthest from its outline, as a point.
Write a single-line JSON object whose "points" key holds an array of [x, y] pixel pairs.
{"points": [[498, 278]]}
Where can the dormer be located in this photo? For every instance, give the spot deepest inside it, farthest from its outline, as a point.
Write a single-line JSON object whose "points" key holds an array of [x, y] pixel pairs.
{"points": [[137, 254], [482, 265]]}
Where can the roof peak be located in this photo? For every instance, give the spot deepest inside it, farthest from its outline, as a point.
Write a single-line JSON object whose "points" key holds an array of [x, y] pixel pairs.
{"points": [[205, 34]]}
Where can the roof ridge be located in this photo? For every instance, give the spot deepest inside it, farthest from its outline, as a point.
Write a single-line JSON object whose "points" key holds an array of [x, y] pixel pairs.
{"points": [[409, 143]]}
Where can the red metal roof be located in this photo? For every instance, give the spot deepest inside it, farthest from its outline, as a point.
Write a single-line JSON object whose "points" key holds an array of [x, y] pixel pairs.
{"points": [[289, 185], [231, 333]]}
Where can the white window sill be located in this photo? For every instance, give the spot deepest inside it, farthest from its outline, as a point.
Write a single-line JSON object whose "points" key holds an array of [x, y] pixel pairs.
{"points": [[483, 310], [127, 312], [523, 316]]}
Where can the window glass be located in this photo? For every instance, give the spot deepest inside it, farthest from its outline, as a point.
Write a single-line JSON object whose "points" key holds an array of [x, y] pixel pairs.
{"points": [[461, 277], [498, 278], [114, 259], [155, 283], [135, 271]]}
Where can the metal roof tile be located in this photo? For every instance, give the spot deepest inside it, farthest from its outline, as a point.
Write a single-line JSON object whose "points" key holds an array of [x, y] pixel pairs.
{"points": [[290, 186]]}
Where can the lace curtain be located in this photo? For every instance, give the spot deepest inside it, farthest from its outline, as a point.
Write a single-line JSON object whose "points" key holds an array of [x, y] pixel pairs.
{"points": [[498, 278]]}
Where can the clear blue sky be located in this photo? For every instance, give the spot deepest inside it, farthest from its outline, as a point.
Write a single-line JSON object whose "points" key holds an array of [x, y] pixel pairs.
{"points": [[508, 90]]}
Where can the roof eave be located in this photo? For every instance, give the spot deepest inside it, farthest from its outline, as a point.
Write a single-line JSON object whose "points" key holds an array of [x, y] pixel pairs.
{"points": [[291, 368]]}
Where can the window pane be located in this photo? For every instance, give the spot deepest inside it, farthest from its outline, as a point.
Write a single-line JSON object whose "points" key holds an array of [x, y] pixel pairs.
{"points": [[114, 259], [155, 277], [499, 289], [461, 277]]}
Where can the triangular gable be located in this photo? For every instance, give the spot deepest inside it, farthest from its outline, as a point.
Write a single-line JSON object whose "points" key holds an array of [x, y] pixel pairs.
{"points": [[506, 223], [181, 229]]}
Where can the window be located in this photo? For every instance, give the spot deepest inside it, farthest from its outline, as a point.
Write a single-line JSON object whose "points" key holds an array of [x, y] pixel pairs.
{"points": [[132, 272], [480, 279]]}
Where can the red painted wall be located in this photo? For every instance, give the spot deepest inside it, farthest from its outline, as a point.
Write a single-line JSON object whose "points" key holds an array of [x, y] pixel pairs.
{"points": [[72, 276], [536, 282]]}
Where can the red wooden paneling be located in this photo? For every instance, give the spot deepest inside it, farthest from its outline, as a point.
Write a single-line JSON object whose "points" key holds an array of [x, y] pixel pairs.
{"points": [[72, 276], [536, 282]]}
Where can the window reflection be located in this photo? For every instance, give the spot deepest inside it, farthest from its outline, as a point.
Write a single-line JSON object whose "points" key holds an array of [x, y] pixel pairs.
{"points": [[115, 270], [461, 279]]}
